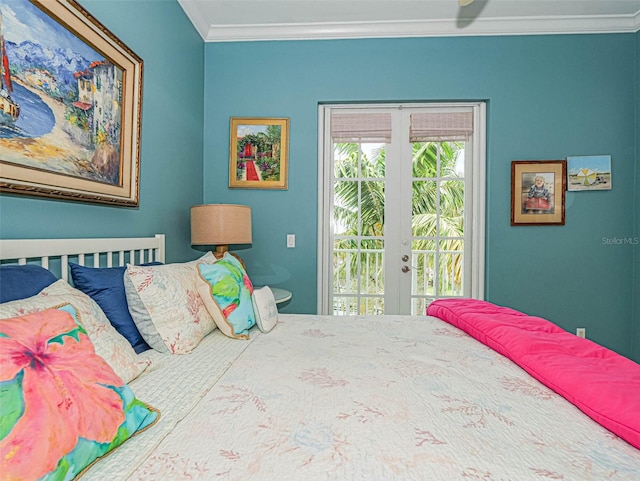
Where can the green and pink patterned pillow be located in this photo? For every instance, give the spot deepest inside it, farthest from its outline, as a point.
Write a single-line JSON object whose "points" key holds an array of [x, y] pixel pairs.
{"points": [[226, 291], [61, 406]]}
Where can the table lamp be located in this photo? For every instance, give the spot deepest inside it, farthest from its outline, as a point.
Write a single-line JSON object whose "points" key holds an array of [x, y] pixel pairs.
{"points": [[220, 225]]}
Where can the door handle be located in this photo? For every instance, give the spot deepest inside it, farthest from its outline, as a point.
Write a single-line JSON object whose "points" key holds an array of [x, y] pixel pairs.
{"points": [[405, 269]]}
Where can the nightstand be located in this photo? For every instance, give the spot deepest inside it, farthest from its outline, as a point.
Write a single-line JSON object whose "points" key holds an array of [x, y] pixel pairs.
{"points": [[281, 295]]}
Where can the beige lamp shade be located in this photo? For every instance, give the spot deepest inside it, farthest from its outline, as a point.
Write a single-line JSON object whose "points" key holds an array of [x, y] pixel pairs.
{"points": [[220, 225]]}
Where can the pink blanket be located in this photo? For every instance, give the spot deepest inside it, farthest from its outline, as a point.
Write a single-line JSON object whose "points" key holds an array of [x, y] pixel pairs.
{"points": [[600, 382]]}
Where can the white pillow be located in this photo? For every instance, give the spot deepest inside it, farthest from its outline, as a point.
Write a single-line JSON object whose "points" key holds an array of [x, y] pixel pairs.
{"points": [[265, 308], [109, 343], [166, 307]]}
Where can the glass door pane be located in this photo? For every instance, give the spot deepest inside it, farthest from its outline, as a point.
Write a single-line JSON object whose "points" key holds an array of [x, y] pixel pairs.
{"points": [[437, 225], [358, 226]]}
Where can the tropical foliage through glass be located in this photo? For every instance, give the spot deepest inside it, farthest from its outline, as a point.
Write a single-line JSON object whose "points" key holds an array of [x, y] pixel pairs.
{"points": [[359, 219]]}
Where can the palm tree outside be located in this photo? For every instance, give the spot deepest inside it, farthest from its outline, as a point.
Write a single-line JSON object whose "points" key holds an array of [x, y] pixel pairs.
{"points": [[437, 224]]}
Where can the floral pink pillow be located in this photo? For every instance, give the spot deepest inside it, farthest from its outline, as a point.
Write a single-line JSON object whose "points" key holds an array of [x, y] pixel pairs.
{"points": [[108, 342], [63, 407]]}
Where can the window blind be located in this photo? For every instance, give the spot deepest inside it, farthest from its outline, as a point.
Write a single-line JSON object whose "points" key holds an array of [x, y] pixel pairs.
{"points": [[441, 127], [361, 127]]}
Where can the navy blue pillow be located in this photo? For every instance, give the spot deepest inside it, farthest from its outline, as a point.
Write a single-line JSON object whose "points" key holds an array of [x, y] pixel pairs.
{"points": [[20, 282], [105, 285]]}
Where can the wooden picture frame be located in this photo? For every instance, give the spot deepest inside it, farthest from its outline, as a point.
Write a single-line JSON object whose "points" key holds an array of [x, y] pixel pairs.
{"points": [[538, 192], [259, 153], [70, 106]]}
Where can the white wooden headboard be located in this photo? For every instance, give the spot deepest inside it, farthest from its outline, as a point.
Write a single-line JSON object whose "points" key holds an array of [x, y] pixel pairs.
{"points": [[104, 252]]}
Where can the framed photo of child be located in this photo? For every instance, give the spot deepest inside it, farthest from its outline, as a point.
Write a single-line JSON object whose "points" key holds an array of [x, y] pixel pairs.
{"points": [[538, 192]]}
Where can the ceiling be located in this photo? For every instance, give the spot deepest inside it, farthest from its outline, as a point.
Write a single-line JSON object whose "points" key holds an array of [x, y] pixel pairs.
{"points": [[245, 20]]}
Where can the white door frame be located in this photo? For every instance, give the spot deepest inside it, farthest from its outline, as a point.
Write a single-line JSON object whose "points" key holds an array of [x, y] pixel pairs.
{"points": [[474, 235]]}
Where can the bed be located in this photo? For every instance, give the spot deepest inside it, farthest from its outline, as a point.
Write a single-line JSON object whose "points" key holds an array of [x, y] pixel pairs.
{"points": [[365, 397]]}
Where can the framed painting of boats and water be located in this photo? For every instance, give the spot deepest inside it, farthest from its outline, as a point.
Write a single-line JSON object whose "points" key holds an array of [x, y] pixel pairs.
{"points": [[70, 105], [259, 152]]}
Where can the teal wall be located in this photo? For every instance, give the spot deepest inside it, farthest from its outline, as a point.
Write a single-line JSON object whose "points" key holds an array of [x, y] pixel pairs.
{"points": [[636, 291], [548, 97], [172, 137]]}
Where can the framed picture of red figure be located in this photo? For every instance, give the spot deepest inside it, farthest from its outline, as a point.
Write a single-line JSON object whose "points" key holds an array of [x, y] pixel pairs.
{"points": [[70, 105], [258, 152], [538, 192]]}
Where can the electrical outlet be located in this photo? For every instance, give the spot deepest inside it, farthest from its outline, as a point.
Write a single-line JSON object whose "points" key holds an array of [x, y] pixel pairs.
{"points": [[291, 241], [581, 332]]}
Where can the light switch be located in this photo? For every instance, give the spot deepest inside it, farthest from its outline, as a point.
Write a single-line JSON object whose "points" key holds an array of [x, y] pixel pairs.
{"points": [[291, 240]]}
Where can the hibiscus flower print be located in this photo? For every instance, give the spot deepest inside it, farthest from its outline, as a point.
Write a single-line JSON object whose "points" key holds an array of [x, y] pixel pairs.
{"points": [[61, 378]]}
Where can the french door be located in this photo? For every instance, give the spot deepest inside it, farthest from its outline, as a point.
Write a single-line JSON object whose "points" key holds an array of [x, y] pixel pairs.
{"points": [[401, 207]]}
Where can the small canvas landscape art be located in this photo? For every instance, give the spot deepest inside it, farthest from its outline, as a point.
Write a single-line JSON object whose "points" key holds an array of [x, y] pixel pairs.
{"points": [[589, 172]]}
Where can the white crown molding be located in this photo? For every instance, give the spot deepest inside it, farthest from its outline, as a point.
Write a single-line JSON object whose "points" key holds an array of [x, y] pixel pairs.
{"points": [[413, 28], [197, 17]]}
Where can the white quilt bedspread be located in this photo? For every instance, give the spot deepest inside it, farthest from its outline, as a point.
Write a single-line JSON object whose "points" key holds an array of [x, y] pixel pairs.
{"points": [[360, 398]]}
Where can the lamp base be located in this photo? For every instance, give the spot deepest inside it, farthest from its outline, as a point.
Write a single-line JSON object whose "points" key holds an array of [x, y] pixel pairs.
{"points": [[221, 250]]}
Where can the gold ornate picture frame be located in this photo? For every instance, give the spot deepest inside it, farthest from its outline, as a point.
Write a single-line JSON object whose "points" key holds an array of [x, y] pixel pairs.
{"points": [[70, 105], [259, 153]]}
